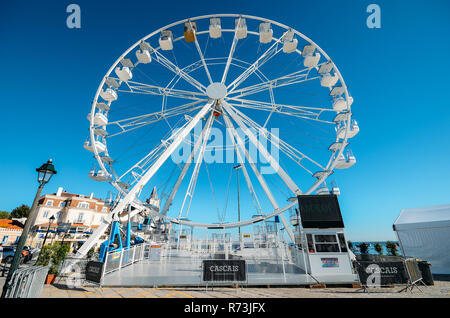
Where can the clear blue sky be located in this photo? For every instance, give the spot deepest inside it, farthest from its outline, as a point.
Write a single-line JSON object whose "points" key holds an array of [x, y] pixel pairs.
{"points": [[398, 76]]}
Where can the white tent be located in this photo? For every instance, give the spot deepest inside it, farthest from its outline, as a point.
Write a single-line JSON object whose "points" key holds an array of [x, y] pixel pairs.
{"points": [[424, 233]]}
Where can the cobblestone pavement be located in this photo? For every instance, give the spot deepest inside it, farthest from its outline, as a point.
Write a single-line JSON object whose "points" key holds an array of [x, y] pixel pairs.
{"points": [[441, 289]]}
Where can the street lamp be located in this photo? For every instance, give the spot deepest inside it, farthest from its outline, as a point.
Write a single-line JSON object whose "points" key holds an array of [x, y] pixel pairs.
{"points": [[239, 204], [45, 173], [51, 219]]}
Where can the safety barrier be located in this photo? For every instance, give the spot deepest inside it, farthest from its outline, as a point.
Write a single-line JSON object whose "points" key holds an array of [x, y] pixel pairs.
{"points": [[27, 282], [125, 257]]}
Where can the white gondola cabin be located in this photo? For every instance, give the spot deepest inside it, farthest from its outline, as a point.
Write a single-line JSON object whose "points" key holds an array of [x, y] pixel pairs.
{"points": [[143, 56], [98, 175], [311, 60], [99, 146], [124, 73], [289, 42], [345, 162], [102, 106], [265, 32], [215, 29], [166, 40], [354, 130], [241, 28], [108, 94], [329, 81]]}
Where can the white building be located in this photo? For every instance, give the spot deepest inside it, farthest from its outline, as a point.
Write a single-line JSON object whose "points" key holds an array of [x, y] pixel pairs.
{"points": [[10, 231], [424, 233], [76, 217]]}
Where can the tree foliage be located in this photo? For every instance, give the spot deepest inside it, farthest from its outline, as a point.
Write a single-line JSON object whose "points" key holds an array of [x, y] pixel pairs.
{"points": [[392, 248], [4, 215], [21, 211], [378, 248], [364, 248]]}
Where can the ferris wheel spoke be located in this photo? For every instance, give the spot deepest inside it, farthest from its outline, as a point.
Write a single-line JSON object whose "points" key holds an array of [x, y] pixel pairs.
{"points": [[273, 163], [285, 80], [193, 181], [132, 123], [201, 55], [261, 180], [188, 163], [142, 88], [230, 55], [310, 113], [293, 153], [161, 59], [232, 132], [263, 58]]}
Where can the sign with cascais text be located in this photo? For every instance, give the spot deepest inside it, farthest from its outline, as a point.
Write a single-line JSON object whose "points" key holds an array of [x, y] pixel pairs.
{"points": [[222, 270]]}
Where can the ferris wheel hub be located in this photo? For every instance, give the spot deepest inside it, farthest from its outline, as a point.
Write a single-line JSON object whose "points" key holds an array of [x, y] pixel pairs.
{"points": [[216, 90]]}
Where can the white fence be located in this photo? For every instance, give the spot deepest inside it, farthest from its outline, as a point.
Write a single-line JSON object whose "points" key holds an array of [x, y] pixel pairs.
{"points": [[27, 282], [125, 257]]}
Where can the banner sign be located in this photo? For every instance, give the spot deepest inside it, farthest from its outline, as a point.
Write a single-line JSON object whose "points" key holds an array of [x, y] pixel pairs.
{"points": [[94, 271], [330, 262], [224, 270], [374, 274]]}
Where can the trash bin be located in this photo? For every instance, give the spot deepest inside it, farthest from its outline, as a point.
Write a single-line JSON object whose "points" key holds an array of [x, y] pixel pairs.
{"points": [[427, 277]]}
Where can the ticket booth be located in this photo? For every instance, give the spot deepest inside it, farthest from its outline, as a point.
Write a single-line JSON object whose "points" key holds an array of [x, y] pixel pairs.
{"points": [[323, 238]]}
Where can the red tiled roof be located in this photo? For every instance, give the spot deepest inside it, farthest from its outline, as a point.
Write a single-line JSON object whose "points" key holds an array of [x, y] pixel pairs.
{"points": [[10, 224]]}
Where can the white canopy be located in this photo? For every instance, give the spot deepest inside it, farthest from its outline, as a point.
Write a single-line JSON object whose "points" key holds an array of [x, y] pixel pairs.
{"points": [[424, 233], [436, 216]]}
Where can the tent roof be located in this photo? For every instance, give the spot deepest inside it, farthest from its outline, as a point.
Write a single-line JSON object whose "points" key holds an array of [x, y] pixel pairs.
{"points": [[435, 216]]}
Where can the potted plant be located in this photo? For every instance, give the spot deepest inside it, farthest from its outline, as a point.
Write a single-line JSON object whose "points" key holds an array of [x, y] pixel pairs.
{"points": [[44, 260], [54, 255]]}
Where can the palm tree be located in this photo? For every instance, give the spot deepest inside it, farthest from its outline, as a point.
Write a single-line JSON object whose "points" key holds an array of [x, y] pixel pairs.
{"points": [[392, 247], [378, 248], [363, 248]]}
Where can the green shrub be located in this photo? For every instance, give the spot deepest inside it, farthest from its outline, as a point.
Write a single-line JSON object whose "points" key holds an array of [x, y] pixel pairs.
{"points": [[53, 255]]}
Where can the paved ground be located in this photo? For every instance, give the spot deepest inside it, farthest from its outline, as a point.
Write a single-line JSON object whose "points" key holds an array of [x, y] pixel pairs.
{"points": [[441, 289]]}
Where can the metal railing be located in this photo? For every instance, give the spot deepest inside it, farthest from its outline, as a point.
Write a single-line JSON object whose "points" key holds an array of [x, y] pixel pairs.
{"points": [[27, 282], [125, 257]]}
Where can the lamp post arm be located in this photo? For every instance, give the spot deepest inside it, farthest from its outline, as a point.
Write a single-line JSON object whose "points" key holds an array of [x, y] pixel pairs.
{"points": [[18, 254]]}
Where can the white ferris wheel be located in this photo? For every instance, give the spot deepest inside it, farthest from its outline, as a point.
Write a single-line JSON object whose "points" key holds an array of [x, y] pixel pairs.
{"points": [[258, 82]]}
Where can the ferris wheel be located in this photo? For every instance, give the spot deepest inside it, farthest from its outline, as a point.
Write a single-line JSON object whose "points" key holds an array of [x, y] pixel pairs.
{"points": [[249, 80]]}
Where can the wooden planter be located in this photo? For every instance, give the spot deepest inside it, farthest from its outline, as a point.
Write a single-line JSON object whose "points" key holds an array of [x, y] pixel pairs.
{"points": [[50, 279]]}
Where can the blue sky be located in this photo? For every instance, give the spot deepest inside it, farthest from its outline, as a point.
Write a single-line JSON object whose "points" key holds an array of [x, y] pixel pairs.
{"points": [[398, 76]]}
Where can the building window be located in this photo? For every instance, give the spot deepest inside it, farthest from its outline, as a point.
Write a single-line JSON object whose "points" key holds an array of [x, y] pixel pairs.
{"points": [[49, 203], [83, 205], [45, 215], [104, 209], [80, 218], [62, 204], [57, 215], [5, 239]]}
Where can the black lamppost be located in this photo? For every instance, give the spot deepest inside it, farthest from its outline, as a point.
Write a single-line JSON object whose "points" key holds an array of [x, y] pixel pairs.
{"points": [[51, 219], [45, 173], [239, 204]]}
